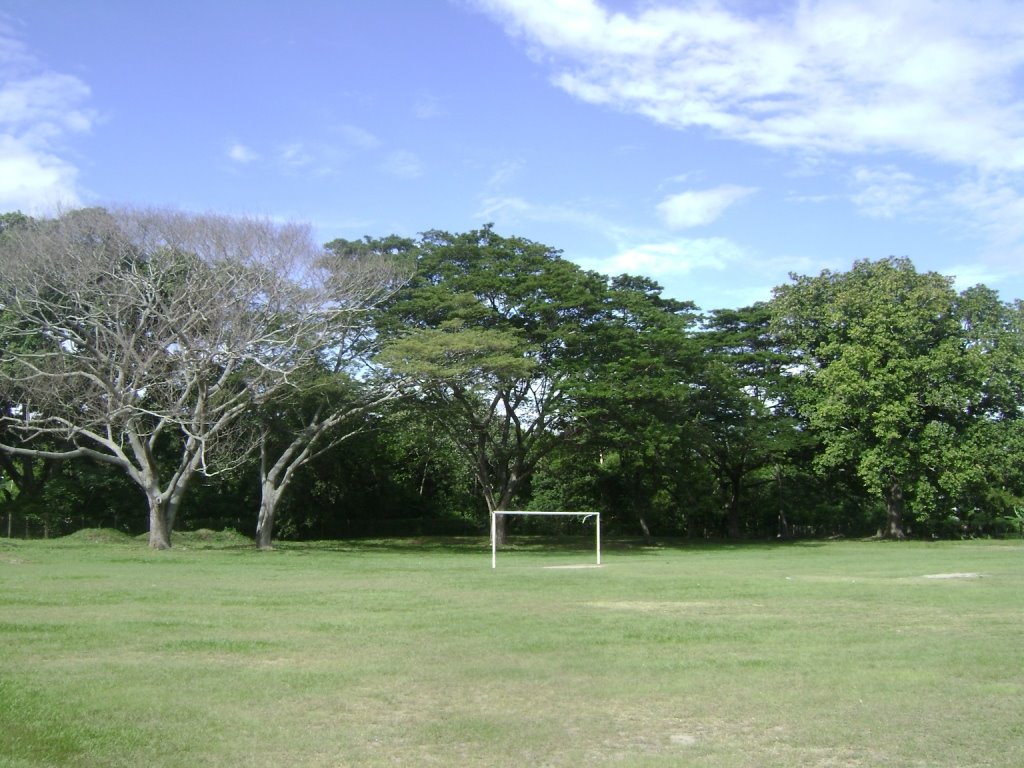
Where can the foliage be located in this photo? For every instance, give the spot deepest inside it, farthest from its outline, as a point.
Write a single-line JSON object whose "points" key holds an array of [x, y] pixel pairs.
{"points": [[882, 374], [742, 419], [487, 334], [228, 373]]}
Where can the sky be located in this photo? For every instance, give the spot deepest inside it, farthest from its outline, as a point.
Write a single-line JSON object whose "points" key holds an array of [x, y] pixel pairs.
{"points": [[716, 146]]}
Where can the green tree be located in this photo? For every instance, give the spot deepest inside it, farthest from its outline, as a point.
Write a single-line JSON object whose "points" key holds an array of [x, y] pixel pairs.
{"points": [[488, 334], [881, 370], [982, 475], [739, 414], [637, 376]]}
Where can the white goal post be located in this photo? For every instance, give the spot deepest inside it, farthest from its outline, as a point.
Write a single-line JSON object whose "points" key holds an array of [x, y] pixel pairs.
{"points": [[584, 515]]}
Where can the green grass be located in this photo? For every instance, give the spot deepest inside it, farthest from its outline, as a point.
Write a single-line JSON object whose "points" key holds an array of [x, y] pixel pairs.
{"points": [[415, 653]]}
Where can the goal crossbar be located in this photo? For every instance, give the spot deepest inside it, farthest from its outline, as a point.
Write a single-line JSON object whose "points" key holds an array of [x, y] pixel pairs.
{"points": [[585, 515]]}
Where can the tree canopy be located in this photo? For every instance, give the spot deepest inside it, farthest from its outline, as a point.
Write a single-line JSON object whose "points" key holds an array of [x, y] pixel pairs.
{"points": [[205, 365]]}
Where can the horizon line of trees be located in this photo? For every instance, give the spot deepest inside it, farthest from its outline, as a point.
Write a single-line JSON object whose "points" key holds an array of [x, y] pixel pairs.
{"points": [[162, 370]]}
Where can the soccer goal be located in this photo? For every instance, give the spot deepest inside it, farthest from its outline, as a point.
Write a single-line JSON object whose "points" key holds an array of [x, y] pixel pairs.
{"points": [[585, 515]]}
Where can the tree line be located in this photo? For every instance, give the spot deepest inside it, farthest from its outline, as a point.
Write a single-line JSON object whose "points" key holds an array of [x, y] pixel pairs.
{"points": [[161, 370]]}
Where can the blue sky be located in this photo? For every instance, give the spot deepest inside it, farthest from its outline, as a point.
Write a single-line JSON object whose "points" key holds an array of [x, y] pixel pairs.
{"points": [[714, 145]]}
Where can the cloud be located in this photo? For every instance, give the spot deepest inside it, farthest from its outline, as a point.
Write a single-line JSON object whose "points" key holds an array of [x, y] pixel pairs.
{"points": [[296, 156], [39, 110], [675, 257], [699, 269], [511, 210], [241, 154], [696, 208], [33, 180], [968, 275], [936, 79], [503, 209], [504, 173], [997, 207], [887, 192], [403, 164]]}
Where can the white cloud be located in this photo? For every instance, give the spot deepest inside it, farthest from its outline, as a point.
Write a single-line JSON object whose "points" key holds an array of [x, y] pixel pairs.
{"points": [[674, 257], [886, 192], [295, 156], [241, 154], [33, 180], [932, 78], [698, 207], [968, 275], [503, 209], [511, 211], [39, 109], [504, 173], [996, 205], [403, 164]]}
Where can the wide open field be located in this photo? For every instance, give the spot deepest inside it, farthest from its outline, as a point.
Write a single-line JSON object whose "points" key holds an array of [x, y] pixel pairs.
{"points": [[417, 654]]}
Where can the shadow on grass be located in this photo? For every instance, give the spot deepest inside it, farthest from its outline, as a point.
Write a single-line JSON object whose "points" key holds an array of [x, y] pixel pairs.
{"points": [[205, 539], [537, 543]]}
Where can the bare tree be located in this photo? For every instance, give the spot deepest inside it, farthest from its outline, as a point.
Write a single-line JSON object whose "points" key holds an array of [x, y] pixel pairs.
{"points": [[139, 338], [338, 392]]}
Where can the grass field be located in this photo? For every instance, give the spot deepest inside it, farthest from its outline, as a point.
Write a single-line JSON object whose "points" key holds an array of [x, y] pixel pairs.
{"points": [[414, 653]]}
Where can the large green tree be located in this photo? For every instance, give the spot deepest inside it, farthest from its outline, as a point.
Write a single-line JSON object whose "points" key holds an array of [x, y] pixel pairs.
{"points": [[487, 335], [882, 369], [637, 378], [983, 478], [739, 411]]}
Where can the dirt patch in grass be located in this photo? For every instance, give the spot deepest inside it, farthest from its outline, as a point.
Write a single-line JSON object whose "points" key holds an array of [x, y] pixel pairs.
{"points": [[953, 576], [660, 607], [569, 567]]}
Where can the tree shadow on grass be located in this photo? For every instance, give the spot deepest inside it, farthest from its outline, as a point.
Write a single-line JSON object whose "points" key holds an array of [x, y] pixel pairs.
{"points": [[540, 544]]}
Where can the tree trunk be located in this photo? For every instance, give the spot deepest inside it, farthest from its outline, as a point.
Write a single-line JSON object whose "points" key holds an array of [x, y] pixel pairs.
{"points": [[273, 479], [163, 506], [894, 506], [500, 529], [644, 528], [783, 530], [265, 522], [733, 489], [502, 503], [159, 530]]}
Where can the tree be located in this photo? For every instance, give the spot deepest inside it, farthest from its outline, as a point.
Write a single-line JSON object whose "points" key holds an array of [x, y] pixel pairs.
{"points": [[140, 337], [981, 475], [20, 476], [739, 417], [640, 363], [331, 397], [489, 331], [298, 425], [881, 368]]}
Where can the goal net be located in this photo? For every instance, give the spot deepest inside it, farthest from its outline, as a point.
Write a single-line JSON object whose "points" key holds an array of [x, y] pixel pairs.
{"points": [[585, 515]]}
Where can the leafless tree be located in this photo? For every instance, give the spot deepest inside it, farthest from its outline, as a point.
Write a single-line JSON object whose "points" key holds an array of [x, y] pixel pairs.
{"points": [[139, 338], [338, 391]]}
